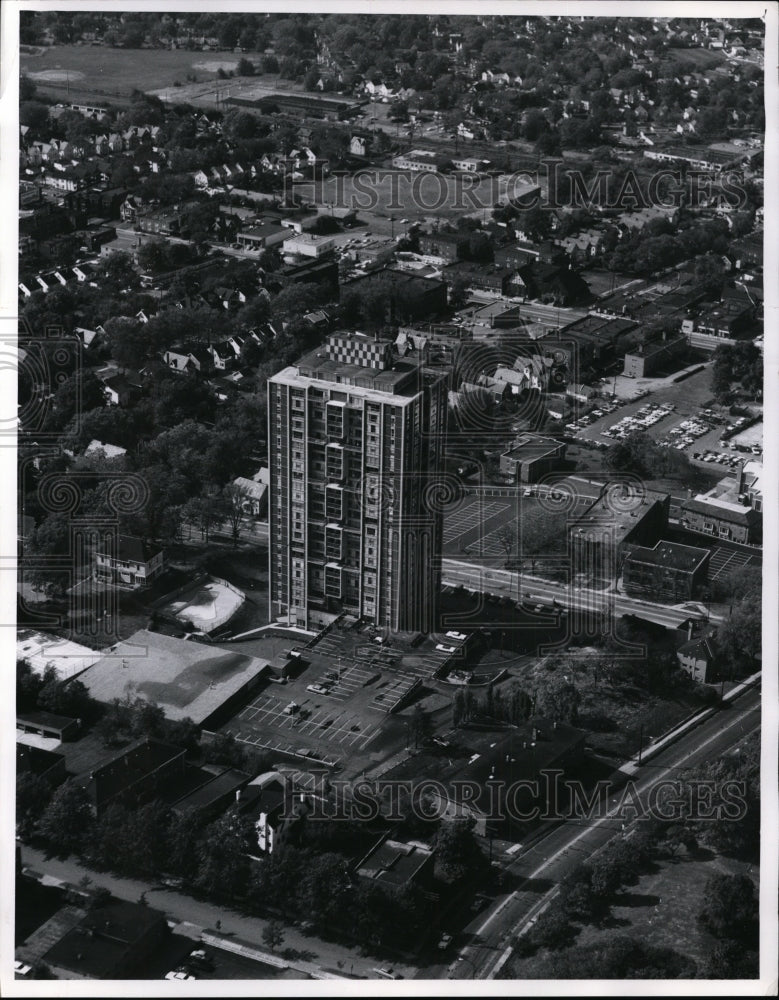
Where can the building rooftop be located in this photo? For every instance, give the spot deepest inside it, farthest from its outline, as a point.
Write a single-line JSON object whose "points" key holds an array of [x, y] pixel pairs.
{"points": [[420, 154], [129, 548], [532, 446], [212, 791], [672, 554], [46, 720], [127, 768], [622, 510], [394, 862], [41, 650], [101, 943], [36, 760], [725, 510], [186, 679]]}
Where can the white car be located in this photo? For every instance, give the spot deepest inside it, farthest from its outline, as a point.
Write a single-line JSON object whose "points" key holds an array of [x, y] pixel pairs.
{"points": [[20, 969], [178, 975], [317, 689], [457, 635], [445, 649]]}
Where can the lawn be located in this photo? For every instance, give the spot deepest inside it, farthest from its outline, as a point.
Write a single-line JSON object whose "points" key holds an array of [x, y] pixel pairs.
{"points": [[119, 71]]}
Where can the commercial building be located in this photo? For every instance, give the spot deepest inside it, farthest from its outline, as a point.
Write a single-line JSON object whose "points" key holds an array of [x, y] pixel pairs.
{"points": [[261, 235], [619, 520], [710, 514], [143, 771], [411, 297], [301, 105], [115, 940], [394, 864], [531, 457], [55, 727], [418, 160], [186, 679], [647, 359], [355, 438], [443, 245], [731, 510], [308, 245], [666, 571]]}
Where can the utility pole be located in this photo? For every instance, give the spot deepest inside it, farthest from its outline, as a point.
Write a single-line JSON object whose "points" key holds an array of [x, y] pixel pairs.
{"points": [[640, 741]]}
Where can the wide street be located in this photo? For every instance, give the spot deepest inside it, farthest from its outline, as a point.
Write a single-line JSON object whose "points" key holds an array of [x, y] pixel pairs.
{"points": [[518, 586], [543, 865]]}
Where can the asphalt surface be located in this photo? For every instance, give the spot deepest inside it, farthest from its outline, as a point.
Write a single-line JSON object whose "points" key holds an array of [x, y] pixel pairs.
{"points": [[517, 586], [543, 865]]}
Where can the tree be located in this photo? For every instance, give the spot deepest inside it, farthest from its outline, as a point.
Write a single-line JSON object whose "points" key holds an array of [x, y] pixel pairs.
{"points": [[458, 292], [273, 935], [69, 698], [246, 67], [731, 908], [67, 820], [559, 701], [458, 855], [232, 506], [507, 536], [421, 725], [739, 638], [223, 856], [33, 794]]}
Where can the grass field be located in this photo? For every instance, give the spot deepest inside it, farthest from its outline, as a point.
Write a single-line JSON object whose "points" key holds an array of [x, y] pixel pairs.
{"points": [[703, 58], [119, 71]]}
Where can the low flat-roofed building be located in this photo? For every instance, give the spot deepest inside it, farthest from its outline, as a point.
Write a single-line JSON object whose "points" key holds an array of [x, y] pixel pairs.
{"points": [[115, 940], [186, 679], [731, 510], [531, 457], [66, 657], [483, 756], [222, 789], [58, 727], [418, 160], [666, 571], [616, 522], [647, 359], [722, 518], [142, 771], [261, 235], [308, 245], [396, 864], [46, 764]]}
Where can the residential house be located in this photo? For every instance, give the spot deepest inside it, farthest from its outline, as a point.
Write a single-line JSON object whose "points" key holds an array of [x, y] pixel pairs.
{"points": [[698, 657], [121, 389], [256, 493], [186, 360], [128, 562]]}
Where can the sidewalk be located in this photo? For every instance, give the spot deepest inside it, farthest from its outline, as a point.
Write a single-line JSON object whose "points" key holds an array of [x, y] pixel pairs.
{"points": [[195, 917]]}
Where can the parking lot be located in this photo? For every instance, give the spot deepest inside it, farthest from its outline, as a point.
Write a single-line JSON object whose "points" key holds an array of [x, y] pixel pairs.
{"points": [[313, 717], [725, 560], [679, 415], [336, 708]]}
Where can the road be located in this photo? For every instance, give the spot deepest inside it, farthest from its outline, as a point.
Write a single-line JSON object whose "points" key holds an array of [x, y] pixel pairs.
{"points": [[551, 858], [507, 583], [196, 915]]}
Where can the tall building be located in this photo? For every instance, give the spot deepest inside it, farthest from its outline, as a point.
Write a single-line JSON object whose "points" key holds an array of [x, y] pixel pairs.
{"points": [[356, 452]]}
